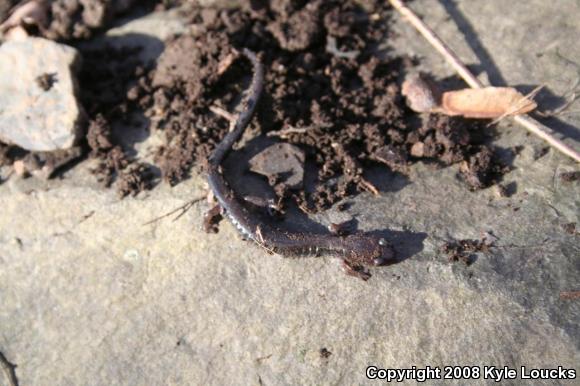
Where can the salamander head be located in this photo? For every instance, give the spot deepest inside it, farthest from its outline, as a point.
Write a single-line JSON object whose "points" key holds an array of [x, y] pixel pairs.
{"points": [[369, 250]]}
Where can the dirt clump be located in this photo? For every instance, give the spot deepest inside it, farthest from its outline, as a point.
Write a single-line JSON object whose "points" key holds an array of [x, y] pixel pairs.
{"points": [[465, 250], [570, 228], [298, 30], [339, 102], [111, 82], [78, 19], [134, 179], [46, 81], [330, 88], [343, 105], [111, 157]]}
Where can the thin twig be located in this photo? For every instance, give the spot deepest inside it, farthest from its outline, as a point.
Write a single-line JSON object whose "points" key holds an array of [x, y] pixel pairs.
{"points": [[224, 114], [226, 62], [260, 241], [305, 209], [283, 133], [546, 134], [369, 187], [8, 370], [529, 123], [568, 112], [517, 107], [183, 208]]}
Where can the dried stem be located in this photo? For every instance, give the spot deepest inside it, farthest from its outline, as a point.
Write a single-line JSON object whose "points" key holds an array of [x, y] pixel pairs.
{"points": [[283, 133], [526, 121], [231, 118], [519, 105], [368, 186], [183, 208]]}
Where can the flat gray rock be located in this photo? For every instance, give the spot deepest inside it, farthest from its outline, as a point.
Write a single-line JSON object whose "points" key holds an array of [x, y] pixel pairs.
{"points": [[281, 162], [91, 296], [38, 107]]}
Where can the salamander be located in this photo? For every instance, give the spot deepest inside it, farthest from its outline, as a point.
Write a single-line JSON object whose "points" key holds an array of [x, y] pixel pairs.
{"points": [[357, 250]]}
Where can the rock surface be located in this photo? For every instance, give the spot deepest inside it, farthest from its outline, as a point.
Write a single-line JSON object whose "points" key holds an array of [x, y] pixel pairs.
{"points": [[38, 107], [89, 295], [280, 163]]}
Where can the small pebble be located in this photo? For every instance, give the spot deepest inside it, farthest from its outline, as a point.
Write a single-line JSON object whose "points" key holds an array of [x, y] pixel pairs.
{"points": [[39, 108], [418, 149], [422, 95]]}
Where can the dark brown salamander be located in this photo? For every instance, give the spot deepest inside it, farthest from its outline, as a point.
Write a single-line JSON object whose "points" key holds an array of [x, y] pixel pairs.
{"points": [[356, 249]]}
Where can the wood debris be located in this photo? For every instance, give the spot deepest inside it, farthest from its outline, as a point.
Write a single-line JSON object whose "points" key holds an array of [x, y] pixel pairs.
{"points": [[488, 102], [530, 124], [423, 96]]}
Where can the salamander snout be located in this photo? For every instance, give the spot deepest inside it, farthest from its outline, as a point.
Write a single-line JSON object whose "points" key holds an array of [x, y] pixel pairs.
{"points": [[368, 250], [378, 261], [384, 253]]}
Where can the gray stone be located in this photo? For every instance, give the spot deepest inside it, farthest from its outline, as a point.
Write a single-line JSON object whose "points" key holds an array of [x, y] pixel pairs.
{"points": [[38, 107], [281, 162], [89, 295]]}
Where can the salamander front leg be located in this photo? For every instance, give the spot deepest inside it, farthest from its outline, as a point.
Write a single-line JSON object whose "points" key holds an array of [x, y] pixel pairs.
{"points": [[212, 218], [344, 228], [355, 270]]}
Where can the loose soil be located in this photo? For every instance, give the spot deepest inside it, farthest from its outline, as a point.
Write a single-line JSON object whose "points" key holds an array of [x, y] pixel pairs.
{"points": [[465, 250], [80, 19], [330, 89]]}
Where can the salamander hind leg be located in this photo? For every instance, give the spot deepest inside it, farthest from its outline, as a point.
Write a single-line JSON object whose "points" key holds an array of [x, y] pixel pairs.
{"points": [[355, 270]]}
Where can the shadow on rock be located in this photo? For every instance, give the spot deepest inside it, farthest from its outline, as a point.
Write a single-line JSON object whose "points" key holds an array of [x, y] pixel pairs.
{"points": [[549, 103], [113, 67], [405, 243], [249, 183], [472, 38]]}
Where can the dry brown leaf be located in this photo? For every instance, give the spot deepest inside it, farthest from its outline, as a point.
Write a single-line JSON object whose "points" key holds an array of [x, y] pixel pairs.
{"points": [[488, 102]]}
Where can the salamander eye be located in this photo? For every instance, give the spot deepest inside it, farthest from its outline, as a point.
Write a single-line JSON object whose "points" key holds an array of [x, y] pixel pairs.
{"points": [[379, 261], [383, 242]]}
